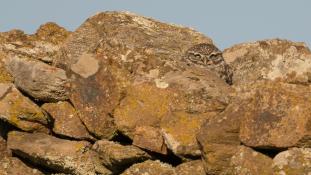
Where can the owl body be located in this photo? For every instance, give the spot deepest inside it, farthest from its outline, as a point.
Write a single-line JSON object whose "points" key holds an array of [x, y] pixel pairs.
{"points": [[209, 56]]}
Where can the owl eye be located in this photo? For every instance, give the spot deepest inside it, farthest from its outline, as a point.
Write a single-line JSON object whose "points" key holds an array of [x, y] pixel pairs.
{"points": [[213, 57], [197, 55]]}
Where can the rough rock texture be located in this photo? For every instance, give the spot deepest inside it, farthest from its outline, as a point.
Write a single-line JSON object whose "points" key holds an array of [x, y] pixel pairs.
{"points": [[219, 139], [293, 161], [20, 111], [52, 33], [153, 87], [37, 79], [270, 59], [13, 166], [3, 148], [66, 120], [64, 156], [247, 161], [190, 168], [43, 45], [151, 168], [149, 138], [276, 115], [117, 157], [125, 51]]}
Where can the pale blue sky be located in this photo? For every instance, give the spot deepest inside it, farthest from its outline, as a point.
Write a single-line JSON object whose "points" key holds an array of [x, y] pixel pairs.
{"points": [[227, 22]]}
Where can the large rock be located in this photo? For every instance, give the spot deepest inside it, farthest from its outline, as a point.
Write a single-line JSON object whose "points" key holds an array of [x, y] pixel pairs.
{"points": [[249, 162], [3, 148], [39, 80], [66, 120], [20, 111], [52, 33], [276, 115], [219, 139], [150, 138], [117, 157], [64, 156], [125, 52], [271, 60], [151, 168], [293, 161], [265, 115], [190, 168], [14, 166], [43, 45]]}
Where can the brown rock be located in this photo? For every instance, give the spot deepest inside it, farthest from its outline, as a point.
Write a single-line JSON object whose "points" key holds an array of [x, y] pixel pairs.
{"points": [[247, 161], [271, 60], [13, 166], [190, 168], [39, 80], [219, 139], [66, 120], [149, 138], [122, 49], [5, 76], [177, 99], [151, 168], [293, 161], [64, 156], [144, 105], [20, 111], [51, 32], [41, 46], [3, 148], [276, 115], [179, 132], [118, 157]]}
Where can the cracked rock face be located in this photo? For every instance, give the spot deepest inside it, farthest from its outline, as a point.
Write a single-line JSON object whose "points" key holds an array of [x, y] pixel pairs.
{"points": [[117, 96], [151, 168], [63, 156], [66, 120], [20, 111], [117, 157], [270, 60], [293, 161], [39, 80], [124, 52]]}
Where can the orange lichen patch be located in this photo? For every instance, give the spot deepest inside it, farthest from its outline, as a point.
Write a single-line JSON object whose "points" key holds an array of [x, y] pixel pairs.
{"points": [[51, 32], [21, 112], [145, 105], [5, 77], [183, 126]]}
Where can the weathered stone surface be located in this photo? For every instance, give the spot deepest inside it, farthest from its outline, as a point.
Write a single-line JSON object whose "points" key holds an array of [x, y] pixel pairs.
{"points": [[117, 157], [3, 148], [125, 50], [52, 33], [293, 161], [219, 139], [270, 59], [43, 45], [249, 162], [66, 120], [149, 138], [39, 80], [151, 168], [13, 166], [190, 168], [179, 132], [64, 156], [20, 111], [277, 115], [179, 97]]}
